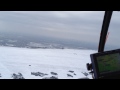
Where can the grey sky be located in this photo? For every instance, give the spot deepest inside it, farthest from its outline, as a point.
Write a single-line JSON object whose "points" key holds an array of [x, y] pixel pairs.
{"points": [[71, 25]]}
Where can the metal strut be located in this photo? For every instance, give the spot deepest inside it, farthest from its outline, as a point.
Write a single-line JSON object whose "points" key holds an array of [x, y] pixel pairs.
{"points": [[104, 30]]}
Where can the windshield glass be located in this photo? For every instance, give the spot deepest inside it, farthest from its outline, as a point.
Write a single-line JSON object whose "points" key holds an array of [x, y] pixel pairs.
{"points": [[112, 41], [49, 44]]}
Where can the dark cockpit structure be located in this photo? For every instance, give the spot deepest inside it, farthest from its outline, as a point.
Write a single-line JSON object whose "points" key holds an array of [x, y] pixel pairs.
{"points": [[105, 64]]}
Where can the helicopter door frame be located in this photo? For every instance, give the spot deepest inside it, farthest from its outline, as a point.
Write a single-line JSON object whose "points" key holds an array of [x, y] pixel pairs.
{"points": [[104, 30]]}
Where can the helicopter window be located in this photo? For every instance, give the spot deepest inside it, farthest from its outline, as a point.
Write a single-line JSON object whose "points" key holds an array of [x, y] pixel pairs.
{"points": [[112, 41], [33, 42]]}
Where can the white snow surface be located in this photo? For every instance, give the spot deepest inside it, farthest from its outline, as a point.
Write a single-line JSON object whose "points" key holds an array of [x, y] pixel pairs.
{"points": [[60, 61]]}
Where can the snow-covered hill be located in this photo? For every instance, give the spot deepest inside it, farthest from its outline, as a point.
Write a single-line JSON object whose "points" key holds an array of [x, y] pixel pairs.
{"points": [[43, 63]]}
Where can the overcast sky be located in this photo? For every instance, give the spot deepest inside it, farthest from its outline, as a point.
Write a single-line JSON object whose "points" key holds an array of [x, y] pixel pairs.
{"points": [[69, 25]]}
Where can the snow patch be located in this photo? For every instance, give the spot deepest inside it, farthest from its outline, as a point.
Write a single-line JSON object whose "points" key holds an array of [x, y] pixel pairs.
{"points": [[62, 62]]}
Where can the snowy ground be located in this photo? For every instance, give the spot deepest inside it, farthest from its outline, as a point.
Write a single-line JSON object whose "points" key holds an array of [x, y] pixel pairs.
{"points": [[63, 63]]}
